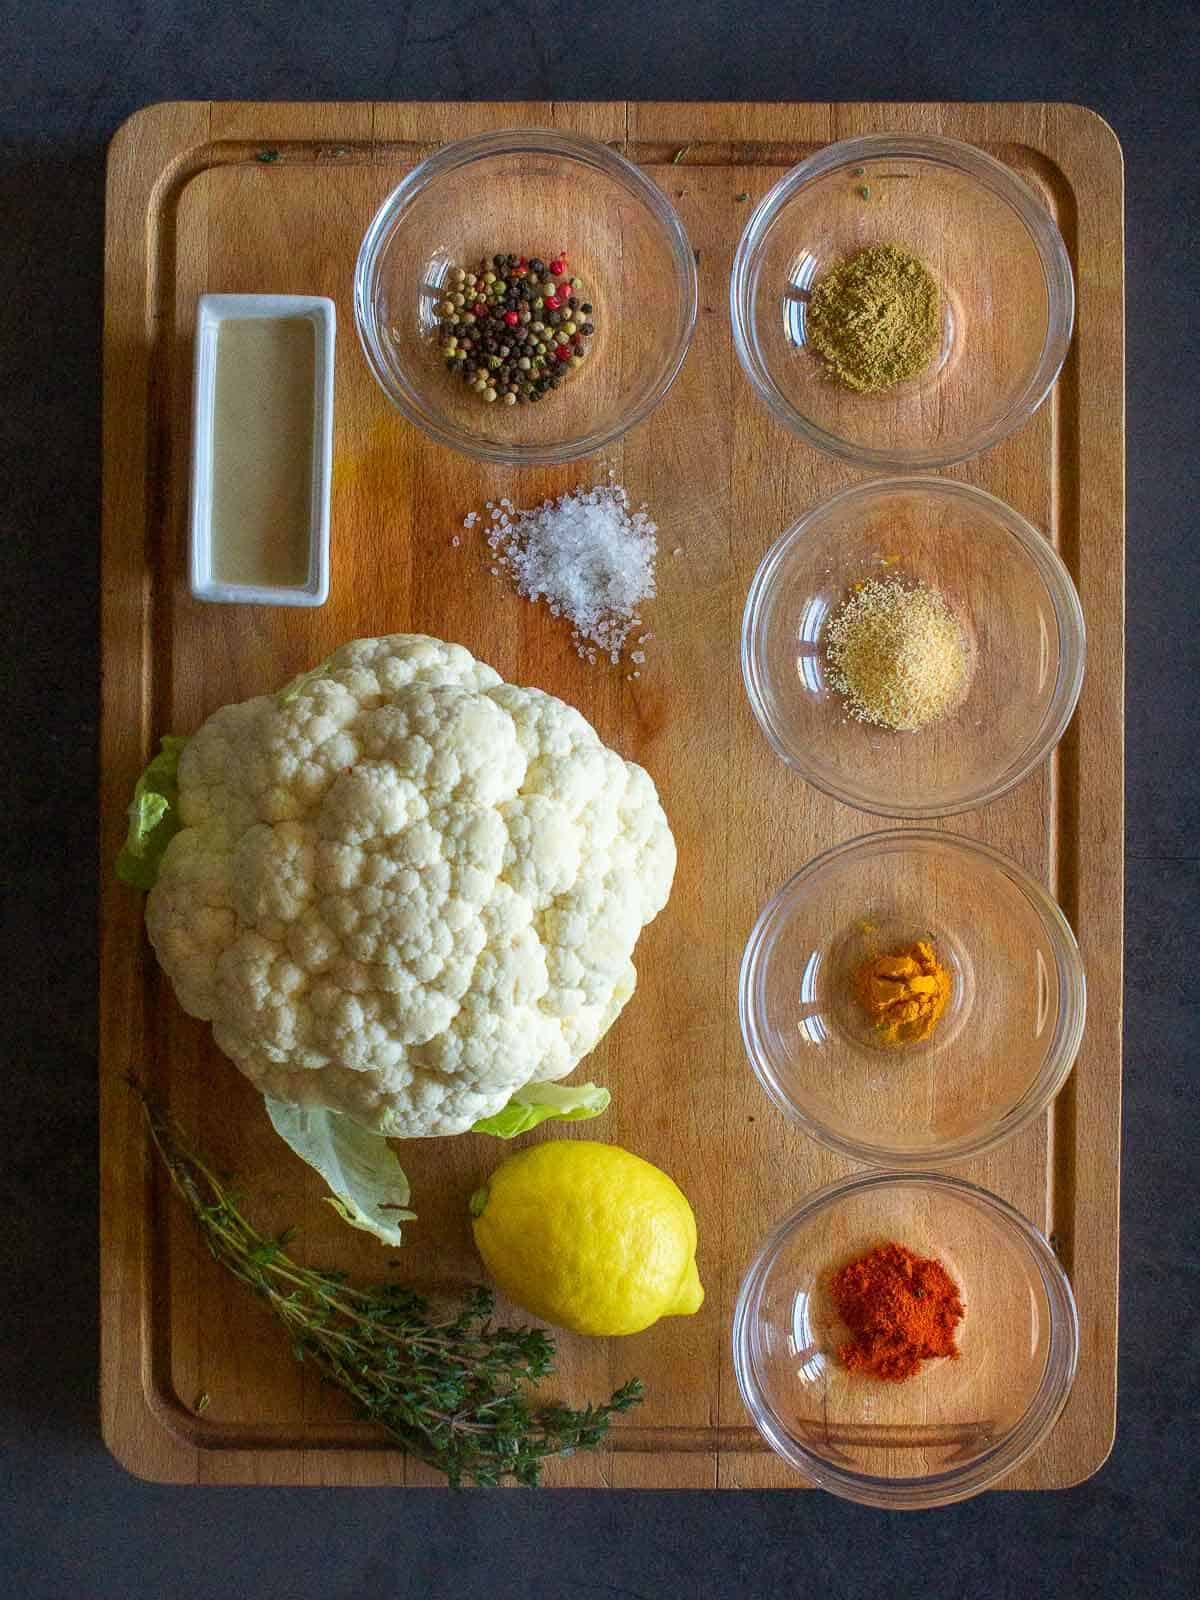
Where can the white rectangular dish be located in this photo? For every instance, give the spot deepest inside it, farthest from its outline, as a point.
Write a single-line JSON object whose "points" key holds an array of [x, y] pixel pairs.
{"points": [[215, 311]]}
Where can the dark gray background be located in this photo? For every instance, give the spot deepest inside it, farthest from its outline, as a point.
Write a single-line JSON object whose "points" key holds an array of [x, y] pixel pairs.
{"points": [[72, 1524]]}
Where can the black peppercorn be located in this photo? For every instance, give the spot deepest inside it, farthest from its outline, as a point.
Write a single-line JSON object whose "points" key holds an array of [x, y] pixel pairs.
{"points": [[537, 265], [587, 329], [572, 302], [586, 309]]}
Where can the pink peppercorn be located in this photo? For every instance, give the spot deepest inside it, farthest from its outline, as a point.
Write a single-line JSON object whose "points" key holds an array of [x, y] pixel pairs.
{"points": [[552, 302], [563, 352], [511, 318]]}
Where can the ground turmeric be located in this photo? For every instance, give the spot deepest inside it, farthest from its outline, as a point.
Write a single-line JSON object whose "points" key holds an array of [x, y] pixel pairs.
{"points": [[904, 993]]}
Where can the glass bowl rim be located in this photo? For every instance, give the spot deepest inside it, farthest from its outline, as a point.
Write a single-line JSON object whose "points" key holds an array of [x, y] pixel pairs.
{"points": [[975, 163], [1059, 1057], [956, 1483], [1059, 585], [464, 152]]}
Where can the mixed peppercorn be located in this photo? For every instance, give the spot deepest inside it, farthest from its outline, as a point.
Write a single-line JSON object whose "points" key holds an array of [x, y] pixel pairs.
{"points": [[515, 327]]}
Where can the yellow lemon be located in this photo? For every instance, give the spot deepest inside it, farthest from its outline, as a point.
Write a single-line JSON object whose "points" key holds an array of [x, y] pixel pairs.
{"points": [[589, 1237]]}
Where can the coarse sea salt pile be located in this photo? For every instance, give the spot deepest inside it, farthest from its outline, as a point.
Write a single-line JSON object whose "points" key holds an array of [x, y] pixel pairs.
{"points": [[587, 555]]}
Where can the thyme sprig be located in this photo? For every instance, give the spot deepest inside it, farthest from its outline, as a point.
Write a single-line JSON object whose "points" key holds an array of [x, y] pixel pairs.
{"points": [[450, 1391]]}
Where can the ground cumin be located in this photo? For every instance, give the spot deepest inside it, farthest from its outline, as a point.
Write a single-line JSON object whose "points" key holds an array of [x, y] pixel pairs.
{"points": [[875, 319], [901, 1308]]}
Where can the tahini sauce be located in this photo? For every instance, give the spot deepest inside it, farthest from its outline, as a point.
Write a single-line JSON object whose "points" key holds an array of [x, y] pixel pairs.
{"points": [[263, 450]]}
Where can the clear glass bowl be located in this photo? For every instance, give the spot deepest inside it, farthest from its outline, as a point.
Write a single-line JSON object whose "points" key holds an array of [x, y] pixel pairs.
{"points": [[995, 1059], [1007, 297], [533, 192], [1020, 616], [957, 1426]]}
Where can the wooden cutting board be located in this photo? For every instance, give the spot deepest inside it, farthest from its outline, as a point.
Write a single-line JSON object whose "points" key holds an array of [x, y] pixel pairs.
{"points": [[248, 197]]}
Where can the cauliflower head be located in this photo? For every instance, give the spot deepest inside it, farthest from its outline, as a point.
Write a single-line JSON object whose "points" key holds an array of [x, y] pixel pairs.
{"points": [[404, 888]]}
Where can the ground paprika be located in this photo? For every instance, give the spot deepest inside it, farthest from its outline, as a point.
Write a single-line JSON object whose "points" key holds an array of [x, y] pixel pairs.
{"points": [[901, 1308]]}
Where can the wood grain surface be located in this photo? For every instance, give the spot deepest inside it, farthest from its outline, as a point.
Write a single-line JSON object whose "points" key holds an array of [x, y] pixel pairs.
{"points": [[193, 206]]}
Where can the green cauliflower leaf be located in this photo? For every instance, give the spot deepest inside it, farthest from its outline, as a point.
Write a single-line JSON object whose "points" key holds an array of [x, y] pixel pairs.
{"points": [[538, 1102], [153, 817]]}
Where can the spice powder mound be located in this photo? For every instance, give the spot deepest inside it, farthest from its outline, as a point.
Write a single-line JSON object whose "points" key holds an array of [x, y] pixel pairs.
{"points": [[901, 1308], [898, 654], [904, 992], [875, 319]]}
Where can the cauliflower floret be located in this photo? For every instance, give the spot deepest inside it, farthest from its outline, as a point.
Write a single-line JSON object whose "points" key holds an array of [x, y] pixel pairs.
{"points": [[404, 889]]}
